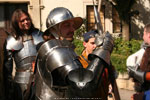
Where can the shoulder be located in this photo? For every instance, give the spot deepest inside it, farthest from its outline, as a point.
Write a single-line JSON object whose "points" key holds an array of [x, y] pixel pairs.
{"points": [[37, 32], [135, 58], [13, 44], [37, 36]]}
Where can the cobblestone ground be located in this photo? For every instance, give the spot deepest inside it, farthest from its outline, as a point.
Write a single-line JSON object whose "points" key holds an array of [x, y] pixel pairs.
{"points": [[126, 94]]}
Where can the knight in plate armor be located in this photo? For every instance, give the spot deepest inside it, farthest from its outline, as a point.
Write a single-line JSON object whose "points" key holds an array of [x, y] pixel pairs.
{"points": [[59, 73], [140, 69], [20, 51]]}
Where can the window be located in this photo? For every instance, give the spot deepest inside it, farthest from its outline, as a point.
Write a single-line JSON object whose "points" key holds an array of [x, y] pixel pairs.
{"points": [[116, 21], [2, 24], [91, 19]]}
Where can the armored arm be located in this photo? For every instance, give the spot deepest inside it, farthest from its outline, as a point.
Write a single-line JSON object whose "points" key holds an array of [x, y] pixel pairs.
{"points": [[8, 64], [138, 75], [104, 47], [103, 51], [89, 80], [11, 45], [7, 72], [101, 56], [58, 66]]}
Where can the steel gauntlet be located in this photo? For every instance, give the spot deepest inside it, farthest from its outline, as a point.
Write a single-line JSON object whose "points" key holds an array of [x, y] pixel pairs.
{"points": [[108, 43], [104, 47], [138, 75]]}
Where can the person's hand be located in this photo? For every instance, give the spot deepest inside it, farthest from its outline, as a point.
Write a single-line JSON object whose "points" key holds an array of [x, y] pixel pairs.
{"points": [[105, 41], [99, 39], [104, 47], [131, 71], [138, 75], [108, 43]]}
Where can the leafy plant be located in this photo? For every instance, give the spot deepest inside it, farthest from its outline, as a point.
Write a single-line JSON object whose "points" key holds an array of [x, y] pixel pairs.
{"points": [[126, 47], [79, 46], [79, 32], [122, 50], [119, 61]]}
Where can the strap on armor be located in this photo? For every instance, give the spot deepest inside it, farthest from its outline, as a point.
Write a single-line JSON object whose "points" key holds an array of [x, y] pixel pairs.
{"points": [[37, 37]]}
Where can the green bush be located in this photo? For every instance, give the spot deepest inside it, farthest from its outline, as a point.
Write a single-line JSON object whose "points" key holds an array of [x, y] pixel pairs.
{"points": [[126, 47], [119, 62], [79, 46], [78, 37], [79, 32], [122, 50]]}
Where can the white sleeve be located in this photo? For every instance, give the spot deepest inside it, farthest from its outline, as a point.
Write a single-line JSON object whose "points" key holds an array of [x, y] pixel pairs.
{"points": [[135, 59]]}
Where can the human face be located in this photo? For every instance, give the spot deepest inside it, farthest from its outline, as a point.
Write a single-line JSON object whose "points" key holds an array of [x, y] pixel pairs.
{"points": [[67, 30], [24, 22], [90, 45], [146, 36]]}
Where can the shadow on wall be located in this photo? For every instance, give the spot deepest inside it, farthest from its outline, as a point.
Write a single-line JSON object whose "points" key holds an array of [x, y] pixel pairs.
{"points": [[143, 18], [138, 21]]}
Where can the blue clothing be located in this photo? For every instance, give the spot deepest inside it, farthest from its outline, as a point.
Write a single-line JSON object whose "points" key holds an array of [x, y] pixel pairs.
{"points": [[147, 95]]}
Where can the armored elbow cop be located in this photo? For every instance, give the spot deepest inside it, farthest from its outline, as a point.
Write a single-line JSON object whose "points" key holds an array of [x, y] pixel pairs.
{"points": [[55, 61], [104, 48]]}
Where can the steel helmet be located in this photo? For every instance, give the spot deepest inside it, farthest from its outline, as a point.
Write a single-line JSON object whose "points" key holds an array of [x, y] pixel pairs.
{"points": [[59, 15]]}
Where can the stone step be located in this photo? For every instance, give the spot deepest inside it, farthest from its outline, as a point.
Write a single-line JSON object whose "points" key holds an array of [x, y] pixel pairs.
{"points": [[124, 82]]}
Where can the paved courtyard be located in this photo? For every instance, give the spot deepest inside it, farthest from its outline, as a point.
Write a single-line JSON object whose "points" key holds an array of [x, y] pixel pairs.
{"points": [[126, 94]]}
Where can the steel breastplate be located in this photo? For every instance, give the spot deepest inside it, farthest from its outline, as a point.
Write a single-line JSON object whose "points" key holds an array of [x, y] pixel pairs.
{"points": [[24, 52], [24, 57]]}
